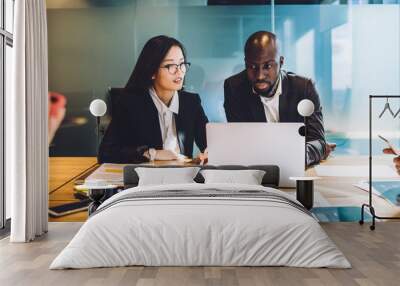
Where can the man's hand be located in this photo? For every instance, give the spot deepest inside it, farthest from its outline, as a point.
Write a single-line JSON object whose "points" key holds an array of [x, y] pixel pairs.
{"points": [[202, 158], [396, 160], [330, 147]]}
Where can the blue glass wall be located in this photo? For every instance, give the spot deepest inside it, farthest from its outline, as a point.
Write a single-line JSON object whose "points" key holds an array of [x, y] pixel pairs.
{"points": [[349, 50]]}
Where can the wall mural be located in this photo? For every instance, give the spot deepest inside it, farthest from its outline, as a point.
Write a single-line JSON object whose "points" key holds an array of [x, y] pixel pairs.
{"points": [[93, 45]]}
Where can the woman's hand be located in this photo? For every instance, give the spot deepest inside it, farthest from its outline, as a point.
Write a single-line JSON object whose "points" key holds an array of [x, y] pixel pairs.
{"points": [[56, 112], [55, 120], [396, 160], [165, 155]]}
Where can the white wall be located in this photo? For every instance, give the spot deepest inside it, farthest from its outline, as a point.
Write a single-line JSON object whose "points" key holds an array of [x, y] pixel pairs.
{"points": [[376, 63]]}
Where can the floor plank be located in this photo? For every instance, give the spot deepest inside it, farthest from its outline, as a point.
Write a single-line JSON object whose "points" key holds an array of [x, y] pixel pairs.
{"points": [[375, 257]]}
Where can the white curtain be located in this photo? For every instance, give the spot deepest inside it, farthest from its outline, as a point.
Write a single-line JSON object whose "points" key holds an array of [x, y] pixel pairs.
{"points": [[26, 123]]}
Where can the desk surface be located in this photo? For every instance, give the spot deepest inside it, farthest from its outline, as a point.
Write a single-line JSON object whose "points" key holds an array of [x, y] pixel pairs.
{"points": [[340, 191], [337, 191], [68, 169], [61, 170]]}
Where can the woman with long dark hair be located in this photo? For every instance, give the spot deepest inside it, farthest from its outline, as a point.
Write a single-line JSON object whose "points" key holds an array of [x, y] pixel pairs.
{"points": [[153, 118]]}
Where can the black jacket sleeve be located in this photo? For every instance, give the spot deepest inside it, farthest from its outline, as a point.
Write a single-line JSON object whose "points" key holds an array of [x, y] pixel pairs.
{"points": [[233, 108], [316, 144], [116, 146], [200, 126]]}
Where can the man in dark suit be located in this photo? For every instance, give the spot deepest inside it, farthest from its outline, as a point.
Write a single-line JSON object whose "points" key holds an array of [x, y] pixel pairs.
{"points": [[265, 93]]}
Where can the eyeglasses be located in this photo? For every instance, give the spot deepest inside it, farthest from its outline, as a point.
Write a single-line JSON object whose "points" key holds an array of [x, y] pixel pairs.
{"points": [[173, 68]]}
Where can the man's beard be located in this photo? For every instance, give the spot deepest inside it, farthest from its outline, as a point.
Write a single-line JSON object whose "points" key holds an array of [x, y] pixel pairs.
{"points": [[266, 92]]}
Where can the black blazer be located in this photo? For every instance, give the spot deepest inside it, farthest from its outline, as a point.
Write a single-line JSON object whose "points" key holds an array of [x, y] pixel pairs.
{"points": [[241, 105], [135, 127]]}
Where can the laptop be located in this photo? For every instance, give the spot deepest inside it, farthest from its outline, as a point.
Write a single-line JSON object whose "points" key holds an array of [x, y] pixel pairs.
{"points": [[258, 144]]}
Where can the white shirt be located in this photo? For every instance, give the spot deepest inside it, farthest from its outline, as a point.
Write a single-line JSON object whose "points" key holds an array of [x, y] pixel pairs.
{"points": [[271, 104], [167, 120]]}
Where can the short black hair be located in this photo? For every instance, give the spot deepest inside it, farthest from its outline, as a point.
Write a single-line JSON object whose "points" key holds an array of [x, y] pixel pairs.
{"points": [[150, 58]]}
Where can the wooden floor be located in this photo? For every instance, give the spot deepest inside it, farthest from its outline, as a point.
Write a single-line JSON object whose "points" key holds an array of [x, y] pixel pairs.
{"points": [[374, 255]]}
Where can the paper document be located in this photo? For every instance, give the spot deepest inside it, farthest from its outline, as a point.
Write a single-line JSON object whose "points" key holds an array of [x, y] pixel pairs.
{"points": [[111, 173], [378, 171], [389, 190]]}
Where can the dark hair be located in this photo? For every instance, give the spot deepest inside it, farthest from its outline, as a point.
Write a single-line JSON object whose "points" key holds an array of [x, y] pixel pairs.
{"points": [[153, 53]]}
